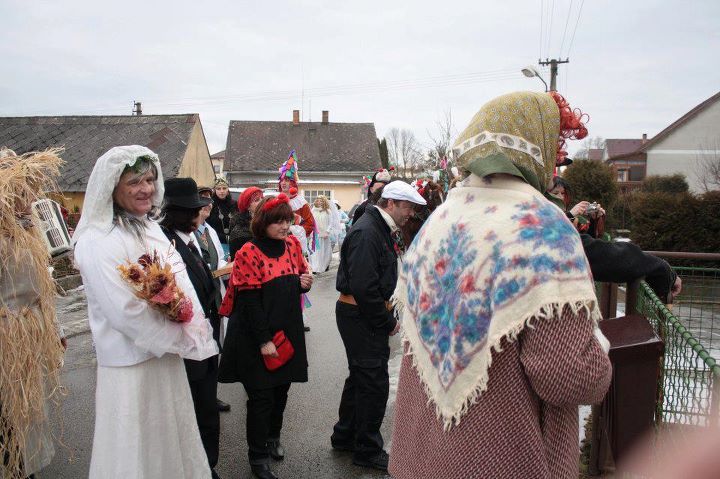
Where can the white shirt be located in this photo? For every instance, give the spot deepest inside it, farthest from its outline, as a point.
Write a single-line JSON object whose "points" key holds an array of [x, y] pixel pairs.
{"points": [[126, 330], [187, 238], [388, 219], [222, 262], [214, 240]]}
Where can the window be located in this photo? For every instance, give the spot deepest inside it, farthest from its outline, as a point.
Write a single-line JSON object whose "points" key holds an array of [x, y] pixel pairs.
{"points": [[311, 195], [622, 175], [637, 173]]}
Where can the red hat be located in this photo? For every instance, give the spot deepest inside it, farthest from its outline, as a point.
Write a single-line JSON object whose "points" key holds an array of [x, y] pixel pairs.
{"points": [[246, 198]]}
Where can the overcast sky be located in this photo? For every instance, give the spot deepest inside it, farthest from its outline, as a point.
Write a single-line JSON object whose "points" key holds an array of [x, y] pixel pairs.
{"points": [[635, 66]]}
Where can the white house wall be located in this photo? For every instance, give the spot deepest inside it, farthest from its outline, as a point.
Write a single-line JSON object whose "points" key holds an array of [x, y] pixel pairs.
{"points": [[680, 151]]}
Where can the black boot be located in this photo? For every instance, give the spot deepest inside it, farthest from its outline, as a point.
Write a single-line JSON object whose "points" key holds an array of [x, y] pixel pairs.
{"points": [[276, 450], [377, 461], [262, 471]]}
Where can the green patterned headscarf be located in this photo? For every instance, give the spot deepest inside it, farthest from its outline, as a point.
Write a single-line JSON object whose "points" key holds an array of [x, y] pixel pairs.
{"points": [[516, 134]]}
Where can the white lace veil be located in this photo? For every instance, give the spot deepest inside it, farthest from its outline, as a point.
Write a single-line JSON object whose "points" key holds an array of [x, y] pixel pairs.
{"points": [[335, 224], [97, 209]]}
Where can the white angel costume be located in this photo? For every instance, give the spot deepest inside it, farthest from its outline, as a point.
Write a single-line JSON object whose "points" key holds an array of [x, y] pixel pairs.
{"points": [[145, 423], [320, 258]]}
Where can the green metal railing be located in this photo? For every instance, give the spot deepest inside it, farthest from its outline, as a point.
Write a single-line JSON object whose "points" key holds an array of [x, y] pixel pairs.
{"points": [[689, 382]]}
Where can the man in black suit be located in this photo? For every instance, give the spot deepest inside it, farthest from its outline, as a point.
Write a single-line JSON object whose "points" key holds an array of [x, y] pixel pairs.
{"points": [[180, 210]]}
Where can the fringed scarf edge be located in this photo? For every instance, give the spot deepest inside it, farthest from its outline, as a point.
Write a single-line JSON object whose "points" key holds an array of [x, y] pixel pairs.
{"points": [[547, 311]]}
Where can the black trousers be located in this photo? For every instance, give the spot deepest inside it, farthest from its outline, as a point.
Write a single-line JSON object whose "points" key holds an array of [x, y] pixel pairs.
{"points": [[366, 390], [204, 394], [265, 408]]}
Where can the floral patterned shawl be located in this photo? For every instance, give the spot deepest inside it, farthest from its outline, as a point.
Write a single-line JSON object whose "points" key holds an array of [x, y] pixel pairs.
{"points": [[491, 260]]}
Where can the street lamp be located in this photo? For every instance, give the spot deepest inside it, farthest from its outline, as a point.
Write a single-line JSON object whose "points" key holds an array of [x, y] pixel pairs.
{"points": [[530, 72]]}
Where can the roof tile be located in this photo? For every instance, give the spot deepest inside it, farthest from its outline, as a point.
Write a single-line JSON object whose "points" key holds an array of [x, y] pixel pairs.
{"points": [[86, 138], [265, 145]]}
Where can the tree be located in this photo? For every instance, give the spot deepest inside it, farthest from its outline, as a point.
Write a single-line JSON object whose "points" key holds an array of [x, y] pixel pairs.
{"points": [[382, 145], [592, 181], [404, 152], [441, 139], [588, 144], [664, 221], [665, 184], [707, 167]]}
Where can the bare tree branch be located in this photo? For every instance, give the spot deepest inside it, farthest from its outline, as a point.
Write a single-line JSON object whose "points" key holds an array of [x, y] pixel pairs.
{"points": [[442, 138], [595, 142], [707, 167], [404, 152]]}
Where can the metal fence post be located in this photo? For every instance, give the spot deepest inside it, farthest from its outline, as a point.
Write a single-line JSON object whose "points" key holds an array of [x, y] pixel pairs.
{"points": [[631, 297]]}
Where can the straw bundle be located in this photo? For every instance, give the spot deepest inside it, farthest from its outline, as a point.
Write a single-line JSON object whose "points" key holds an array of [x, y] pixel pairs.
{"points": [[30, 351]]}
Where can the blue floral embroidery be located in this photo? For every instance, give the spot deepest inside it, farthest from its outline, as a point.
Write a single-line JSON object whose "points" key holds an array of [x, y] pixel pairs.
{"points": [[539, 223], [453, 315]]}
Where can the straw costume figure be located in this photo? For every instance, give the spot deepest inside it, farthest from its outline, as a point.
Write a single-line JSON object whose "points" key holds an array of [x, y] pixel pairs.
{"points": [[31, 352]]}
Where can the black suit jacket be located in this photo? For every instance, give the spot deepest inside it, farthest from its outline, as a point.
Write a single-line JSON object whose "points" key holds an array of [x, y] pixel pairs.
{"points": [[201, 278]]}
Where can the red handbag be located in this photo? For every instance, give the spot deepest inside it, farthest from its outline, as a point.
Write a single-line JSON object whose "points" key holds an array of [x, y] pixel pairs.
{"points": [[285, 352]]}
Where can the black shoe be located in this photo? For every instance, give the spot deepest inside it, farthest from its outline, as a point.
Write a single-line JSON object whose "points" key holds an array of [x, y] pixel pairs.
{"points": [[277, 451], [306, 328], [262, 471], [222, 406], [342, 446], [378, 461]]}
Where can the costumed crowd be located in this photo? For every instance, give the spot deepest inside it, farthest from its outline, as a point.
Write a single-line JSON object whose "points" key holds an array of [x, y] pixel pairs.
{"points": [[487, 279]]}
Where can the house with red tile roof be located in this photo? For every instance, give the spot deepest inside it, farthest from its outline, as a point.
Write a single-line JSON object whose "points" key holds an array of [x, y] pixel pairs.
{"points": [[686, 143], [682, 147]]}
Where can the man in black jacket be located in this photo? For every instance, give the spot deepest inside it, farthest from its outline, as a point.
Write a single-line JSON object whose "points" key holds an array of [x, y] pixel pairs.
{"points": [[626, 262], [181, 208], [366, 280]]}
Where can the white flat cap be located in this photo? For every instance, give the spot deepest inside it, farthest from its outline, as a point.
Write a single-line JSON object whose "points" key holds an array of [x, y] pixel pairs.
{"points": [[399, 190]]}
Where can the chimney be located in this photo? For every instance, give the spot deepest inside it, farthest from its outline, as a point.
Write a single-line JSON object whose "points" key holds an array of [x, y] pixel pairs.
{"points": [[644, 140], [137, 108], [325, 117], [296, 117]]}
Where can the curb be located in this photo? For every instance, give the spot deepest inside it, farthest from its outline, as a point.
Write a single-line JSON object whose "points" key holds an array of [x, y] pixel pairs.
{"points": [[66, 283]]}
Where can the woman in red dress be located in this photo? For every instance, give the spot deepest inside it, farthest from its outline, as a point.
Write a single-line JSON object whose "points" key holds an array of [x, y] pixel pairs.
{"points": [[268, 277]]}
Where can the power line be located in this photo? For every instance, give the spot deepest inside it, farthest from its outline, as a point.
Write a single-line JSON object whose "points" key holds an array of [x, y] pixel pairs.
{"points": [[549, 31], [445, 80], [567, 20], [337, 90], [542, 17], [577, 22]]}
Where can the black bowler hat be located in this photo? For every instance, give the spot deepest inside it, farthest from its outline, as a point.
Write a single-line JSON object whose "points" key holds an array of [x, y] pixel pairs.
{"points": [[183, 192], [565, 162]]}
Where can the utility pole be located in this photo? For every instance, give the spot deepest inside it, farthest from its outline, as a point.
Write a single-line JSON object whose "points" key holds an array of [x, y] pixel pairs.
{"points": [[553, 70]]}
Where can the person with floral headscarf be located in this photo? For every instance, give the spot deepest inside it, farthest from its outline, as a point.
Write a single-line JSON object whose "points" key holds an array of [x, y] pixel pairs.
{"points": [[499, 310], [145, 422], [31, 348]]}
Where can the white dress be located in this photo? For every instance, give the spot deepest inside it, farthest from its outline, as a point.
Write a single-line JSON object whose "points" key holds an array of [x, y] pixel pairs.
{"points": [[145, 424], [320, 258]]}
